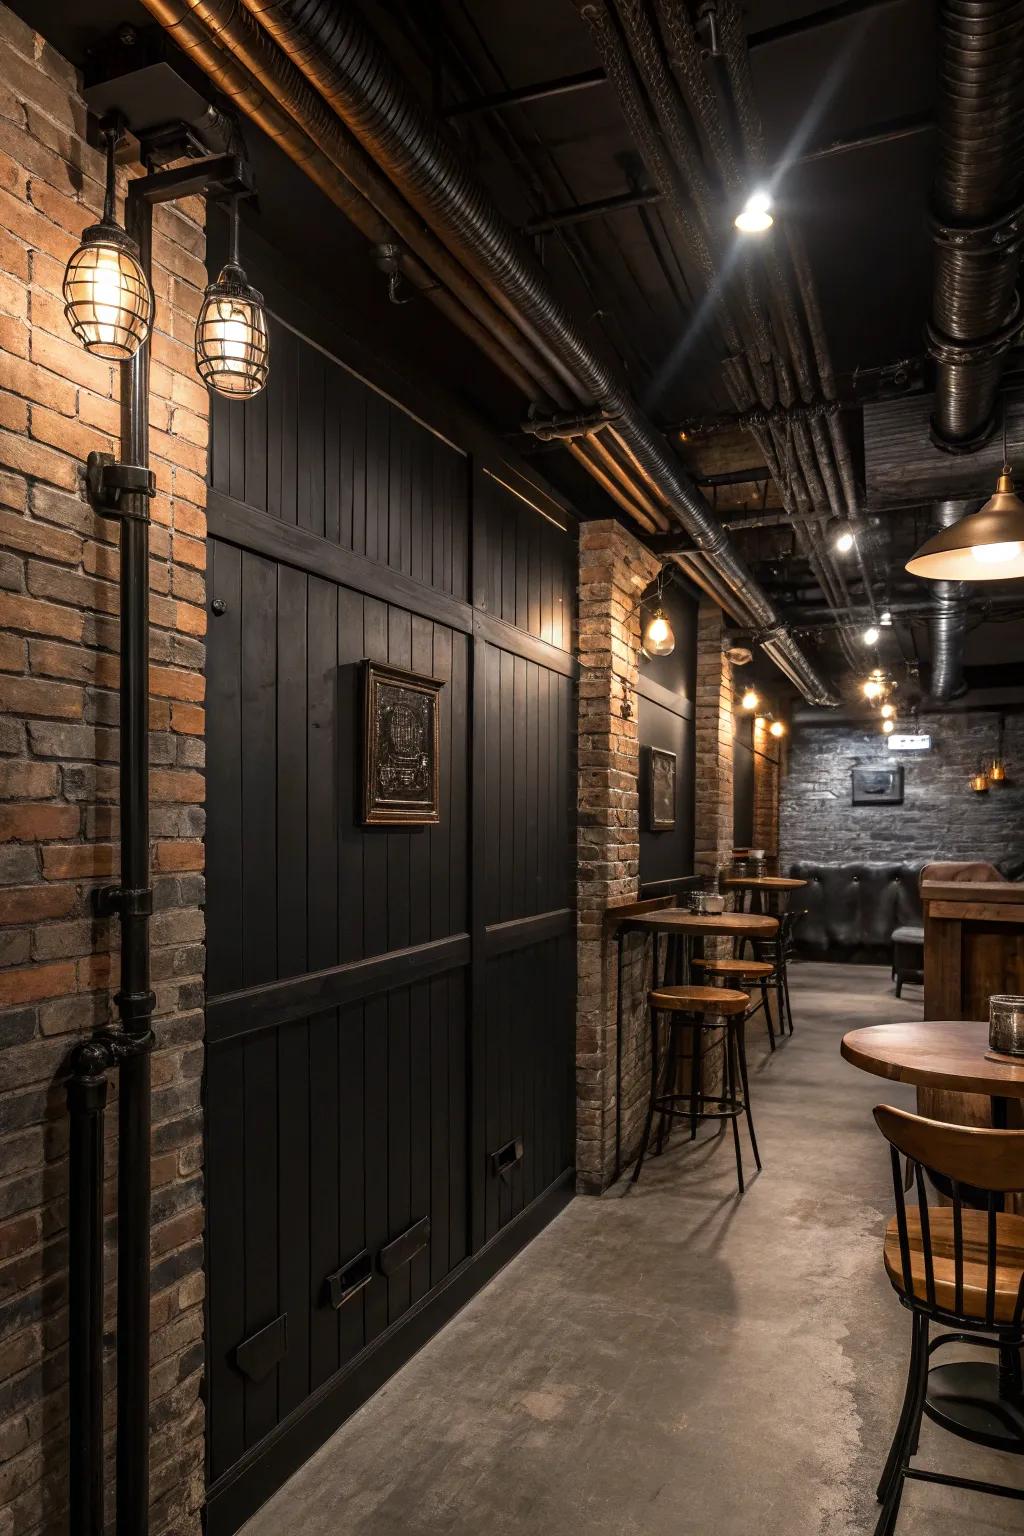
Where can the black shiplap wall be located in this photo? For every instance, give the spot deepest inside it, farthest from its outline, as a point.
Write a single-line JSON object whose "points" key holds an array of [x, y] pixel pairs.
{"points": [[387, 1007]]}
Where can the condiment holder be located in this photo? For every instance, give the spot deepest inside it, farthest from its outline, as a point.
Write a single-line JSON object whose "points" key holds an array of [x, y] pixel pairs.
{"points": [[1006, 1025]]}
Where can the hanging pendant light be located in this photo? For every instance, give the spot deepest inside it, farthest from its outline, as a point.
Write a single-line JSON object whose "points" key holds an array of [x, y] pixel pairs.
{"points": [[987, 545], [232, 341], [108, 301], [659, 636]]}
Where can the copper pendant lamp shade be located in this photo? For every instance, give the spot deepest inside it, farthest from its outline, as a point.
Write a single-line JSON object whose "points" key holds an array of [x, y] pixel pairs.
{"points": [[987, 545]]}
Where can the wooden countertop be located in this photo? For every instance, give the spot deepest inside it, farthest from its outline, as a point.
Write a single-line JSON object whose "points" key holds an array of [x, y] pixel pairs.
{"points": [[950, 1054], [763, 883], [980, 901]]}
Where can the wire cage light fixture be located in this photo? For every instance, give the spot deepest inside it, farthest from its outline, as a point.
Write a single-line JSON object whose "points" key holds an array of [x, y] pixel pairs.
{"points": [[108, 301], [232, 340]]}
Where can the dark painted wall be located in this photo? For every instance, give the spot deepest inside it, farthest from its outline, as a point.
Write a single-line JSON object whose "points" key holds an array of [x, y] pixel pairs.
{"points": [[666, 704], [743, 782], [940, 816]]}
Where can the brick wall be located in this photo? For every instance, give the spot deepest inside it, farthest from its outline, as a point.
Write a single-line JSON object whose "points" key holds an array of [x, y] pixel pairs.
{"points": [[715, 735], [615, 569], [58, 787], [939, 818]]}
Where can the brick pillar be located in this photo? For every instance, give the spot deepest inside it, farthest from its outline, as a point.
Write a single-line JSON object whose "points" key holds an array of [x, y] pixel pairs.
{"points": [[615, 569], [715, 740], [58, 789], [768, 751]]}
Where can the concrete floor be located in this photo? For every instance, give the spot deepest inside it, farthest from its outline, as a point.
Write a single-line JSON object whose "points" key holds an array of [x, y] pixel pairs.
{"points": [[671, 1360]]}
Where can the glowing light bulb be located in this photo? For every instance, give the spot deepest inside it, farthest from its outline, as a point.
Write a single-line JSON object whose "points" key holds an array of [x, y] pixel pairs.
{"points": [[870, 635], [759, 722], [872, 689], [750, 699], [888, 726], [888, 710], [777, 728], [659, 638], [844, 541], [995, 554], [886, 619], [755, 216]]}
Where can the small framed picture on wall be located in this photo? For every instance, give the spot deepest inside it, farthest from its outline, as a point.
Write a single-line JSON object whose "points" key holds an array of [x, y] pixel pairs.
{"points": [[661, 789], [401, 747]]}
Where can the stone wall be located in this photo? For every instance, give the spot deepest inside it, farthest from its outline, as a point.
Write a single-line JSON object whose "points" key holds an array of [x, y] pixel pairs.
{"points": [[58, 788], [615, 569], [939, 818]]}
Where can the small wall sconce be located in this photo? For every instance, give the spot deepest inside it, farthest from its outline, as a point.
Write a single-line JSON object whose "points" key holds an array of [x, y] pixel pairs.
{"points": [[979, 783], [997, 772]]}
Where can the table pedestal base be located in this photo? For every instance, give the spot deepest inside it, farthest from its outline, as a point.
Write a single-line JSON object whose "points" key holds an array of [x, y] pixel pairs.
{"points": [[967, 1399]]}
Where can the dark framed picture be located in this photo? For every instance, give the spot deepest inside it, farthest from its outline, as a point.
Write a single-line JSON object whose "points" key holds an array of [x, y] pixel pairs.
{"points": [[877, 786], [661, 789], [401, 738]]}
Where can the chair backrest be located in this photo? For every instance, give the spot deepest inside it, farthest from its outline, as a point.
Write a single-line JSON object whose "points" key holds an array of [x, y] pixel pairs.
{"points": [[963, 871], [979, 1167]]}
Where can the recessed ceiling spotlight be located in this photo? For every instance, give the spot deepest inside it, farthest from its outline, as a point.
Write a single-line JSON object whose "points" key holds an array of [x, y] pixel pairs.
{"points": [[755, 216], [870, 635], [888, 726], [885, 619], [888, 710]]}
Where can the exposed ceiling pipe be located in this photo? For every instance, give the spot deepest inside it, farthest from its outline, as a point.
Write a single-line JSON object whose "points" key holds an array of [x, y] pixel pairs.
{"points": [[254, 74], [976, 210], [947, 628], [343, 61]]}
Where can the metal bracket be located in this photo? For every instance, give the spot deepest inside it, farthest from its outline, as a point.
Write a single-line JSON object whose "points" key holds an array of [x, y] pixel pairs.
{"points": [[999, 236], [107, 481], [115, 901]]}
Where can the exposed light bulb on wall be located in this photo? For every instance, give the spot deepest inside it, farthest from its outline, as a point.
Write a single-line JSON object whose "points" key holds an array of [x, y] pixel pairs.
{"points": [[888, 726], [777, 728], [750, 699], [873, 688], [659, 636], [888, 710]]}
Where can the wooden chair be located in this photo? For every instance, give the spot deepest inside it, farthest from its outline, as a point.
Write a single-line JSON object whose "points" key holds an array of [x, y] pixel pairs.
{"points": [[747, 974], [696, 1011], [960, 1265]]}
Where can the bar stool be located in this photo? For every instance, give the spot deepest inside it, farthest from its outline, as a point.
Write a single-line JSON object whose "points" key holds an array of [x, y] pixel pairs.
{"points": [[698, 1010], [748, 973], [777, 952]]}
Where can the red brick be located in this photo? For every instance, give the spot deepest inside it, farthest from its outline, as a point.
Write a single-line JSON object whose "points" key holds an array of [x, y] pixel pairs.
{"points": [[79, 861], [33, 696], [189, 719], [30, 983], [32, 903], [34, 538], [20, 780], [179, 856], [177, 785], [38, 460], [35, 618], [76, 662], [173, 683], [25, 822]]}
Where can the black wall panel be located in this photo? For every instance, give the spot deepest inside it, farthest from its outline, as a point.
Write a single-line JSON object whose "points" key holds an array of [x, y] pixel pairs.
{"points": [[743, 782], [665, 719], [388, 1008]]}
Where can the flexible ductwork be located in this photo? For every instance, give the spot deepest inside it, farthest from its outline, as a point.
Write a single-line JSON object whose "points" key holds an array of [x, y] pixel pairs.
{"points": [[948, 623], [976, 212], [340, 58]]}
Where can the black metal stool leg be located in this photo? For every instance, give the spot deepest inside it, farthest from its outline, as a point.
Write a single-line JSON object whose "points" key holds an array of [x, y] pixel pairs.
{"points": [[891, 1508], [730, 1087], [741, 1050], [766, 1004], [892, 1460], [653, 1099], [669, 1082], [696, 1080]]}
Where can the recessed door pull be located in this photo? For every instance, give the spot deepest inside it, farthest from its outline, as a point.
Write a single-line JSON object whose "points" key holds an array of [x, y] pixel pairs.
{"points": [[352, 1278], [404, 1247], [257, 1355], [507, 1158]]}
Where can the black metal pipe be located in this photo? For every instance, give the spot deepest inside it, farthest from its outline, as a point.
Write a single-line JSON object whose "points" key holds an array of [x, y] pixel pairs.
{"points": [[342, 60], [561, 218], [87, 1098], [135, 999], [948, 626]]}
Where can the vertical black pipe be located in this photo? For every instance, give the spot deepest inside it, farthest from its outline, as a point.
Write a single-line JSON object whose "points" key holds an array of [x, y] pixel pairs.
{"points": [[87, 1098], [135, 1000]]}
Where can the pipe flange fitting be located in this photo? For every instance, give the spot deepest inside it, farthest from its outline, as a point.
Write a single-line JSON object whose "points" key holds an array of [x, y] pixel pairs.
{"points": [[958, 445], [945, 349], [997, 237]]}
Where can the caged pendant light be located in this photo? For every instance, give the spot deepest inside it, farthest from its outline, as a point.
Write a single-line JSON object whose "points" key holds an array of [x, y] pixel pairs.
{"points": [[232, 341], [108, 301]]}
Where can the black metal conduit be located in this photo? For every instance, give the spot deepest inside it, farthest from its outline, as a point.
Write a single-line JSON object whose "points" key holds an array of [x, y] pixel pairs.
{"points": [[976, 212], [243, 62], [947, 628], [342, 60]]}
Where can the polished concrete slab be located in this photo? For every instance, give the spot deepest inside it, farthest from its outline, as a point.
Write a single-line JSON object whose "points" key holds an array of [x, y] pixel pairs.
{"points": [[672, 1360]]}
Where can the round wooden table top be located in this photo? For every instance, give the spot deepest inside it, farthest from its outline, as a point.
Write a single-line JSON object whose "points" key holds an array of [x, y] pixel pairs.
{"points": [[936, 1053], [763, 883], [737, 924]]}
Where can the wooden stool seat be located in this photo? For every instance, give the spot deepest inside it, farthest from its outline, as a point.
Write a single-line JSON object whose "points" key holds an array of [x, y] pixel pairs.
{"points": [[742, 970], [720, 1000]]}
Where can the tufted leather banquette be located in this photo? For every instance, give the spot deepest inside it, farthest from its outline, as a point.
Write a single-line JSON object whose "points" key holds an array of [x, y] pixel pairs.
{"points": [[852, 909]]}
